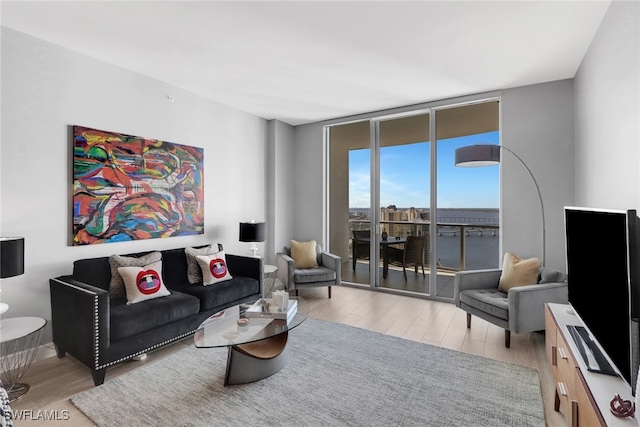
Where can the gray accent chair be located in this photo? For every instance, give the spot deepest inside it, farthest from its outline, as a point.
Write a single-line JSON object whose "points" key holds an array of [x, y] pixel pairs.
{"points": [[521, 310], [327, 273]]}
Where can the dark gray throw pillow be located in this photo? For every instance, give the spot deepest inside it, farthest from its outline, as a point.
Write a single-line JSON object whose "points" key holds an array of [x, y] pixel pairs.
{"points": [[194, 274]]}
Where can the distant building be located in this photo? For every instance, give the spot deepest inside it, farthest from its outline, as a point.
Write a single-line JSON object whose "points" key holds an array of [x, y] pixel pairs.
{"points": [[402, 223]]}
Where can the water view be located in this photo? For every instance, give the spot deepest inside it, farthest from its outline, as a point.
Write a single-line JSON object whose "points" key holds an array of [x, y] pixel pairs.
{"points": [[480, 227]]}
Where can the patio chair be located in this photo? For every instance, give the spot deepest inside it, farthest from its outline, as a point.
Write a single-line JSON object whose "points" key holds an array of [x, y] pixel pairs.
{"points": [[360, 249], [411, 254]]}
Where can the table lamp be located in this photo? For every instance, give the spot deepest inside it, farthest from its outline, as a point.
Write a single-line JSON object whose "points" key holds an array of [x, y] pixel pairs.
{"points": [[11, 260], [253, 232]]}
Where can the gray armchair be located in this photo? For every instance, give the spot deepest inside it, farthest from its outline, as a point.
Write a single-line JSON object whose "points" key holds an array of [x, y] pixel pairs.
{"points": [[327, 273], [521, 310]]}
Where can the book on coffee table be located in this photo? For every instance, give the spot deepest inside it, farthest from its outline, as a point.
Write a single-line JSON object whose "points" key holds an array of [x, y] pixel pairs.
{"points": [[256, 310]]}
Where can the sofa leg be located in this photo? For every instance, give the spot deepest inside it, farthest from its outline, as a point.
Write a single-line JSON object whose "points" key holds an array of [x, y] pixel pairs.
{"points": [[468, 320], [329, 291], [98, 376], [60, 352], [507, 338]]}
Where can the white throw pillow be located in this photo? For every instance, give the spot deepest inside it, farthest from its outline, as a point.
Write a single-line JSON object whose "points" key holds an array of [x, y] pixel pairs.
{"points": [[194, 274], [143, 283], [116, 286], [214, 268]]}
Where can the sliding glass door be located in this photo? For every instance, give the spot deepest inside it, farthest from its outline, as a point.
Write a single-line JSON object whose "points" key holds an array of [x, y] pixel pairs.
{"points": [[468, 199], [400, 214], [404, 201], [350, 230]]}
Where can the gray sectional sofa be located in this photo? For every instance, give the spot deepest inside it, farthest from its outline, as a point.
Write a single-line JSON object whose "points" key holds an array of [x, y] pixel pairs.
{"points": [[102, 331]]}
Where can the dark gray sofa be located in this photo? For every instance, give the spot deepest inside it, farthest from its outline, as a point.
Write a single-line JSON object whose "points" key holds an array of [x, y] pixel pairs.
{"points": [[101, 331]]}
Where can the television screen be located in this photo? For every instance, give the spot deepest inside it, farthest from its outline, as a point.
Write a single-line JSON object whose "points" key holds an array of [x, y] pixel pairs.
{"points": [[601, 248]]}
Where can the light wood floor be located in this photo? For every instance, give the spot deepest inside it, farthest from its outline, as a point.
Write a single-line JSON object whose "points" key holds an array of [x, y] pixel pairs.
{"points": [[53, 381]]}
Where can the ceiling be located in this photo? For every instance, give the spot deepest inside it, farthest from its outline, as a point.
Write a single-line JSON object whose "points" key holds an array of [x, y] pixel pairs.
{"points": [[302, 62]]}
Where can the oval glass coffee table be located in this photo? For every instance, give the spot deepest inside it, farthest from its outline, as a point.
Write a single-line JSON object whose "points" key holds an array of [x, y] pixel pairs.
{"points": [[257, 349]]}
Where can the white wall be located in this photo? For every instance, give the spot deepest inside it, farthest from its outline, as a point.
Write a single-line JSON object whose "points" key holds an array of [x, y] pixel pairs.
{"points": [[47, 88], [280, 188], [537, 124], [308, 187], [607, 97]]}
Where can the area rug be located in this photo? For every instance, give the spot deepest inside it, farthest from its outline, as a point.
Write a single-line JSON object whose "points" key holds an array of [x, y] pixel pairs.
{"points": [[337, 375]]}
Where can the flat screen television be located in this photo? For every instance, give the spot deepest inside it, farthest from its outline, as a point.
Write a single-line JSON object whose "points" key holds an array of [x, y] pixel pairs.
{"points": [[603, 273]]}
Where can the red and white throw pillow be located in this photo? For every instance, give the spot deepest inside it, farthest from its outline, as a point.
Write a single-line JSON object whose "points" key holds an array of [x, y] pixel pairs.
{"points": [[214, 268], [143, 283]]}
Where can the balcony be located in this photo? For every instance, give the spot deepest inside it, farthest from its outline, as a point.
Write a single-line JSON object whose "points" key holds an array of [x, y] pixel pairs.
{"points": [[460, 246]]}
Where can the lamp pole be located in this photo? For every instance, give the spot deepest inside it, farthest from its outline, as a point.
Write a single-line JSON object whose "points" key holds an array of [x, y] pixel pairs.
{"points": [[489, 154], [539, 196]]}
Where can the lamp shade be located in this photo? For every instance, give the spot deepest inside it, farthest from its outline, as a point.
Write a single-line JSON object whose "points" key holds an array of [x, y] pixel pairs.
{"points": [[11, 256], [477, 155], [253, 232]]}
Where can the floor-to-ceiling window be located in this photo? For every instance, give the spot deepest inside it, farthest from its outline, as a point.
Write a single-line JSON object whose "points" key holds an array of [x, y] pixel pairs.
{"points": [[401, 215]]}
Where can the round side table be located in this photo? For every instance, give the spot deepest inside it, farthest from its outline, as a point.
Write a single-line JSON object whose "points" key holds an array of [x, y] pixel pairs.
{"points": [[270, 280], [19, 341]]}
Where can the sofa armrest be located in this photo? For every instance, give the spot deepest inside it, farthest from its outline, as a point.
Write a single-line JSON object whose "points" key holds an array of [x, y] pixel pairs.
{"points": [[286, 267], [474, 279], [526, 305], [246, 266], [333, 262], [79, 319]]}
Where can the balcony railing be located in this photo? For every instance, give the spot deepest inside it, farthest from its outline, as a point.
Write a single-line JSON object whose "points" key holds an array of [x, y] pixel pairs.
{"points": [[460, 229]]}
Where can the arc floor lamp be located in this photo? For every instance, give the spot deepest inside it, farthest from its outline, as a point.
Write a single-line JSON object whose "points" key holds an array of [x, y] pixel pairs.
{"points": [[488, 155]]}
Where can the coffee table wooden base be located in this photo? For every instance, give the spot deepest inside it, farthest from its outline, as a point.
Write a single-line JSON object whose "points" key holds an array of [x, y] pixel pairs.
{"points": [[251, 362]]}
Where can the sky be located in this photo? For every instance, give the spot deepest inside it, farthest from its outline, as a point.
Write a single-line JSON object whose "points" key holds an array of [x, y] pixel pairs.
{"points": [[405, 171]]}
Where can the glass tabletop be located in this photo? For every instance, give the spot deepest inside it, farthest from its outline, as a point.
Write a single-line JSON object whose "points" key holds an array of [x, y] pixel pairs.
{"points": [[222, 329], [19, 327]]}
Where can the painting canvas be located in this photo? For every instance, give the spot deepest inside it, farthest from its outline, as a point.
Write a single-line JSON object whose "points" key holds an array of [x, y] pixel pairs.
{"points": [[131, 188]]}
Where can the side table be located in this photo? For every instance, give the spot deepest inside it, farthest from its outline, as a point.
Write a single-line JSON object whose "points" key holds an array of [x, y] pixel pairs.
{"points": [[270, 280], [19, 341]]}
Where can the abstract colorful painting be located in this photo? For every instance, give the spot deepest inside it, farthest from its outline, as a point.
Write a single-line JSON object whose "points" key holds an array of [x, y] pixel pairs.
{"points": [[131, 188]]}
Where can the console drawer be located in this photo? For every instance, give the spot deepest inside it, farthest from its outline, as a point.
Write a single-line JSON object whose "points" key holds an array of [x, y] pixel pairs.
{"points": [[550, 339], [566, 366], [588, 413]]}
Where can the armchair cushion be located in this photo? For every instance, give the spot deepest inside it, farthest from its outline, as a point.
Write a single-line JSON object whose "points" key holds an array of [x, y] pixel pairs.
{"points": [[315, 274], [304, 254], [518, 272], [490, 301]]}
